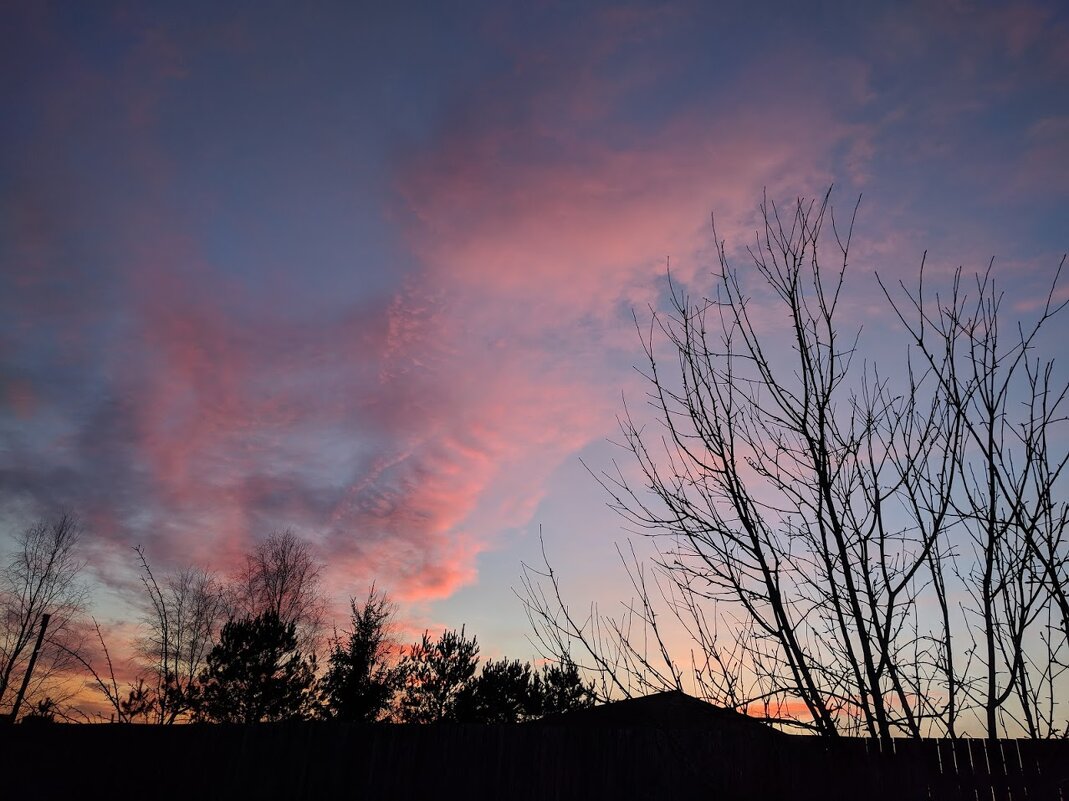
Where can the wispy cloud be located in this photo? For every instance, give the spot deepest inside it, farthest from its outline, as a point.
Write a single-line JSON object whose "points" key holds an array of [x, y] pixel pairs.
{"points": [[196, 348]]}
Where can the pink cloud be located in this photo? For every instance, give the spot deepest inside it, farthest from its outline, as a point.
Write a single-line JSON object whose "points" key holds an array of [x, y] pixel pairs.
{"points": [[415, 508], [404, 439], [534, 253], [229, 417], [581, 228]]}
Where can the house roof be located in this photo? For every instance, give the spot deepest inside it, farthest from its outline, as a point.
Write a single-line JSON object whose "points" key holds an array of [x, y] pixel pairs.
{"points": [[667, 710]]}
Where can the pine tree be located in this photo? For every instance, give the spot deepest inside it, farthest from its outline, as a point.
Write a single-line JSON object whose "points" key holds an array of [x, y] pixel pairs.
{"points": [[361, 679], [256, 673]]}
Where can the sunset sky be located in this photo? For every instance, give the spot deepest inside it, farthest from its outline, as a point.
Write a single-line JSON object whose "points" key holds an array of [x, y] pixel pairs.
{"points": [[367, 270]]}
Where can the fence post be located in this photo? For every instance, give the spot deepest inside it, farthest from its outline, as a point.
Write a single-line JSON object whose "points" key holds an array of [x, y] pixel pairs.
{"points": [[29, 668]]}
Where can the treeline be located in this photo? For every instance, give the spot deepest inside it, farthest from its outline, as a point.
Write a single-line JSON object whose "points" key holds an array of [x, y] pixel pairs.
{"points": [[257, 672], [247, 648]]}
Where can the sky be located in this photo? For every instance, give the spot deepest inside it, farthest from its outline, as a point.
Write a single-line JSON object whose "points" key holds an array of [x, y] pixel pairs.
{"points": [[369, 271]]}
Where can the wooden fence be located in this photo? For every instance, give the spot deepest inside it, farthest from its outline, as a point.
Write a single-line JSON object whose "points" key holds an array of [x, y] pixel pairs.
{"points": [[339, 761], [970, 769]]}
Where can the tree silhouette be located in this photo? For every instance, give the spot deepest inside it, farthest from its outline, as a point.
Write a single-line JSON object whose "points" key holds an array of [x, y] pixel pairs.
{"points": [[511, 691], [504, 692], [851, 550], [282, 576], [362, 676], [437, 673], [181, 619], [560, 688], [40, 577], [256, 673]]}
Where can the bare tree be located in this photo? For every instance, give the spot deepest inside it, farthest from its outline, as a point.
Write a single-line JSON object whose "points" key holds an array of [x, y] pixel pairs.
{"points": [[808, 512], [183, 613], [182, 618], [41, 577], [282, 576], [1008, 406], [139, 701]]}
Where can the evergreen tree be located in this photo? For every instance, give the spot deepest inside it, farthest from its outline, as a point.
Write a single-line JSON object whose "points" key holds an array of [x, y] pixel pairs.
{"points": [[256, 673], [560, 688], [437, 674], [504, 692], [361, 679]]}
